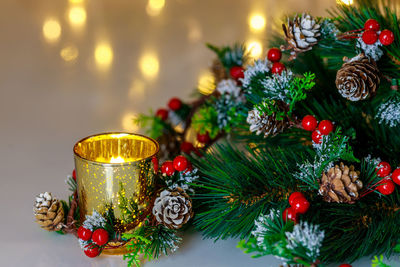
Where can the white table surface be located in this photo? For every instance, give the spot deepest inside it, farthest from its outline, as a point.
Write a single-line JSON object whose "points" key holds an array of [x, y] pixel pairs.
{"points": [[47, 103]]}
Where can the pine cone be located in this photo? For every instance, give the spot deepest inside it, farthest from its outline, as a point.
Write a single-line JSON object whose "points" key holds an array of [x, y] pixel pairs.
{"points": [[49, 212], [173, 208], [262, 123], [169, 146], [218, 70], [301, 34], [340, 184], [358, 78]]}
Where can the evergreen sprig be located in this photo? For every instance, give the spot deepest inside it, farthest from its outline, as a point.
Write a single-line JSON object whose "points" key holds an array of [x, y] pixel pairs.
{"points": [[298, 88], [230, 56], [206, 120], [153, 125]]}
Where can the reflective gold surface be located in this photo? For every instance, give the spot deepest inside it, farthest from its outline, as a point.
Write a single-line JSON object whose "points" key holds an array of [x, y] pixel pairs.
{"points": [[114, 170]]}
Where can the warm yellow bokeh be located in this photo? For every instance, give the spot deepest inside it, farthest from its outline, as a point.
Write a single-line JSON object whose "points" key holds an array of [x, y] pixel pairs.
{"points": [[257, 22], [69, 53], [154, 7], [254, 48], [149, 65], [51, 30], [206, 83], [128, 122], [345, 2], [104, 55], [76, 1], [77, 16]]}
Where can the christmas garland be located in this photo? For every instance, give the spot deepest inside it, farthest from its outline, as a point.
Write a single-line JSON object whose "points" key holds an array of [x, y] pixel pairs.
{"points": [[267, 171]]}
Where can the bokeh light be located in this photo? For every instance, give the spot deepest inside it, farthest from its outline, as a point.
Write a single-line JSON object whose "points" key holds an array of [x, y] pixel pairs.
{"points": [[77, 16], [206, 83], [254, 48], [154, 7], [69, 53], [103, 54], [345, 2], [137, 89], [128, 122], [51, 30], [149, 65], [257, 22]]}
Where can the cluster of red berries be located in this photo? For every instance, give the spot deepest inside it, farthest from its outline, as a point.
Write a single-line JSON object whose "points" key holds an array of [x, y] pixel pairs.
{"points": [[180, 164], [274, 55], [174, 104], [386, 185], [236, 72], [298, 205], [311, 124], [371, 33], [98, 238]]}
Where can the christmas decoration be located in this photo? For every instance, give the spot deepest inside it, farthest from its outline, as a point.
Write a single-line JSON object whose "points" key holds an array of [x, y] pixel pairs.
{"points": [[316, 136], [371, 24], [358, 78], [74, 174], [167, 168], [49, 212], [396, 176], [180, 163], [187, 147], [300, 205], [340, 184], [84, 234], [274, 54], [370, 37], [203, 138], [290, 214], [293, 196], [383, 169], [301, 34], [218, 70], [173, 208], [100, 237], [388, 112], [229, 87], [236, 72], [345, 265], [325, 127], [162, 114], [309, 123], [386, 37], [264, 123], [277, 68], [175, 104], [92, 252], [386, 187]]}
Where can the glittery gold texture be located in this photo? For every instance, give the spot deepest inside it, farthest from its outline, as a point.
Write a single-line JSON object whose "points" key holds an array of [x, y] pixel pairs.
{"points": [[114, 166]]}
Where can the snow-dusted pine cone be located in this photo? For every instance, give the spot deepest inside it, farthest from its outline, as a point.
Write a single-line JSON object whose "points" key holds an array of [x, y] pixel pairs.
{"points": [[173, 208], [49, 212], [301, 34], [358, 78], [262, 123], [340, 184]]}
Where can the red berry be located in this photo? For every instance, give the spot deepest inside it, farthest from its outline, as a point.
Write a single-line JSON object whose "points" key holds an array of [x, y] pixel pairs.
{"points": [[369, 37], [386, 37], [189, 167], [154, 160], [175, 103], [180, 163], [316, 136], [371, 24], [274, 54], [290, 214], [162, 113], [325, 127], [300, 205], [168, 168], [396, 176], [203, 138], [345, 265], [237, 72], [187, 147], [386, 187], [92, 252], [84, 234], [74, 174], [100, 237], [383, 169], [309, 123], [277, 68], [293, 196]]}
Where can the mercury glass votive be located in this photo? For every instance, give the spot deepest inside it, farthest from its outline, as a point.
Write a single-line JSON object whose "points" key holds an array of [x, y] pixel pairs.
{"points": [[114, 173]]}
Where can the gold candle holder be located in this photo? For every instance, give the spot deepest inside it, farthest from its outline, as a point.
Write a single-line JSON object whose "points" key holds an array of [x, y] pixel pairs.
{"points": [[114, 173]]}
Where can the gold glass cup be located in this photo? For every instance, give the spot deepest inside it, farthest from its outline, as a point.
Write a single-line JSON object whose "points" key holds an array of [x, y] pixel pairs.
{"points": [[114, 173]]}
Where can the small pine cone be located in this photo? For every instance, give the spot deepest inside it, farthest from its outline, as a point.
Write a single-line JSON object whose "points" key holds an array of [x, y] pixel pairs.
{"points": [[358, 78], [173, 208], [301, 34], [49, 212], [262, 123], [218, 70], [340, 184], [169, 146]]}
